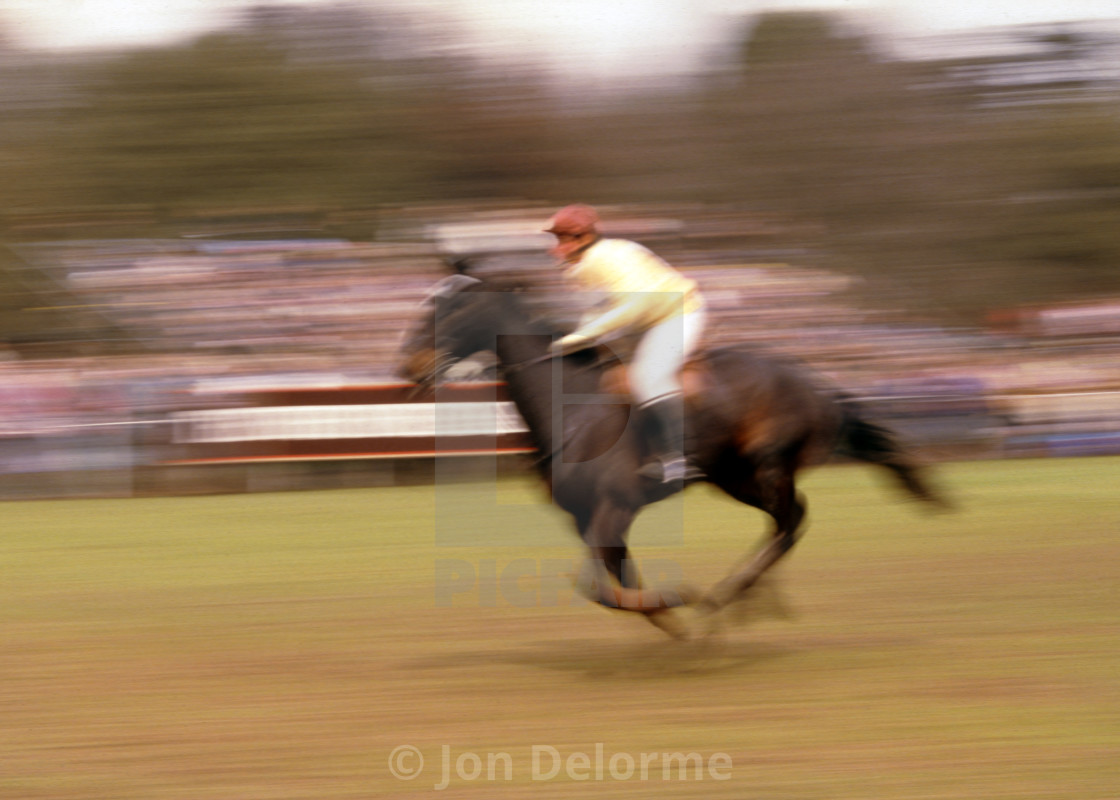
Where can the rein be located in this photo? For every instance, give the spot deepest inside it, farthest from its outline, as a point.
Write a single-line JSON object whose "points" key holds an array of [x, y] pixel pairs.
{"points": [[599, 361], [532, 362]]}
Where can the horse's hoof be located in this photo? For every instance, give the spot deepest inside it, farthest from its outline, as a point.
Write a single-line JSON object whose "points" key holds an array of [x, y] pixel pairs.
{"points": [[689, 595], [670, 624], [713, 626]]}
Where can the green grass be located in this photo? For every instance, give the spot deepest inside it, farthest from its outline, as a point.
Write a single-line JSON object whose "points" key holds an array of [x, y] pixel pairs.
{"points": [[281, 646]]}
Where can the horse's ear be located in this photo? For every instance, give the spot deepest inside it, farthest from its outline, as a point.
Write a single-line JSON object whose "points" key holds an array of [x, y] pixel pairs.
{"points": [[450, 286], [460, 265]]}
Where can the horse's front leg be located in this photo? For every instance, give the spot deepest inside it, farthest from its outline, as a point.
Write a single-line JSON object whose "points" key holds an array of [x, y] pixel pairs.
{"points": [[611, 579]]}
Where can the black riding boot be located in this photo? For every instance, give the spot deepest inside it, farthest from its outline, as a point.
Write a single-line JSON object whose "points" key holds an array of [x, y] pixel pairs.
{"points": [[663, 420]]}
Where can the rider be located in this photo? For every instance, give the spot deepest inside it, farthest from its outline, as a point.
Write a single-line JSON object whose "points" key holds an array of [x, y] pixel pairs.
{"points": [[644, 296]]}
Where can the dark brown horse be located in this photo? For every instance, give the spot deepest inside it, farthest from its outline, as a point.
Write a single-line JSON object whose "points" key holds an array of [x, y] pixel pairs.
{"points": [[755, 423]]}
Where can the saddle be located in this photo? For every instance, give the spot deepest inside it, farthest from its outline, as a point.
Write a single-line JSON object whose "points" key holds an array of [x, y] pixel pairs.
{"points": [[695, 378], [757, 428]]}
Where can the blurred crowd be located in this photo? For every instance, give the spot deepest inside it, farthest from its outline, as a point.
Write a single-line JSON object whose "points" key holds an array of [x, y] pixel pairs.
{"points": [[228, 315]]}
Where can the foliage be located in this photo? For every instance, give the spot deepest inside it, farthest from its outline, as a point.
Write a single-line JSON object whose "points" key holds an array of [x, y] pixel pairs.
{"points": [[927, 183]]}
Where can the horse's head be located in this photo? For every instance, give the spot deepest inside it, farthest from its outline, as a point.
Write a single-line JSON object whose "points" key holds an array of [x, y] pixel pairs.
{"points": [[460, 320]]}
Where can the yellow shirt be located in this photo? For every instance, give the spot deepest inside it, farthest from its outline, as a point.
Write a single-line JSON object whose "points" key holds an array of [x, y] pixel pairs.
{"points": [[641, 289]]}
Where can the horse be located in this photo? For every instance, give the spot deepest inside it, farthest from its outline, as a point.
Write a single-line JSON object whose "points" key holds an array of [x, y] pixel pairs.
{"points": [[755, 422]]}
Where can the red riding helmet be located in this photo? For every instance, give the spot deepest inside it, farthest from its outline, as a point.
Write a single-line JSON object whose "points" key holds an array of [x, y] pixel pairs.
{"points": [[575, 219]]}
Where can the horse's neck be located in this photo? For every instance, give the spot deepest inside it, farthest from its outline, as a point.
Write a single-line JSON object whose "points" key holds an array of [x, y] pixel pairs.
{"points": [[530, 384], [537, 384]]}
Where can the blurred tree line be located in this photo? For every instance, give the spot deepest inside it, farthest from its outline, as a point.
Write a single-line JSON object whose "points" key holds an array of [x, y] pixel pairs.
{"points": [[945, 181]]}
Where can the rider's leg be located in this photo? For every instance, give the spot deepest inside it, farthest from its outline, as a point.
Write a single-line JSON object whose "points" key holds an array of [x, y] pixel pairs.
{"points": [[664, 421], [655, 382]]}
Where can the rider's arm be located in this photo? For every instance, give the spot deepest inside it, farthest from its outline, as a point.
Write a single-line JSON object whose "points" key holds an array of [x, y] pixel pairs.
{"points": [[641, 289], [628, 310]]}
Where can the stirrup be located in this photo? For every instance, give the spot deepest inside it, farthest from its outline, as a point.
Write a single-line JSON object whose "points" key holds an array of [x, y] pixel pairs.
{"points": [[675, 469]]}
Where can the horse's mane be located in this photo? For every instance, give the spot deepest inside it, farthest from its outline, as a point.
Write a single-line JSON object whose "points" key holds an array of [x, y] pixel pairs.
{"points": [[538, 308], [536, 305]]}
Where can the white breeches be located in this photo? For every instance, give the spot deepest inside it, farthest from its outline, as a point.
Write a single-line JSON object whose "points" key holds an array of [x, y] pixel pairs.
{"points": [[658, 358]]}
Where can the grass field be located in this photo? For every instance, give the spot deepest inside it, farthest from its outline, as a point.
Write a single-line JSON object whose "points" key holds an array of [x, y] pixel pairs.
{"points": [[247, 647]]}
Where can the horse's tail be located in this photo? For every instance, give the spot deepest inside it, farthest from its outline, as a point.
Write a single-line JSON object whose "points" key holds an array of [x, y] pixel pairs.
{"points": [[867, 441]]}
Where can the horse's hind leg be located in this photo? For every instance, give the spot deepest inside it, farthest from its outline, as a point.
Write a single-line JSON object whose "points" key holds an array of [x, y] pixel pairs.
{"points": [[771, 489]]}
